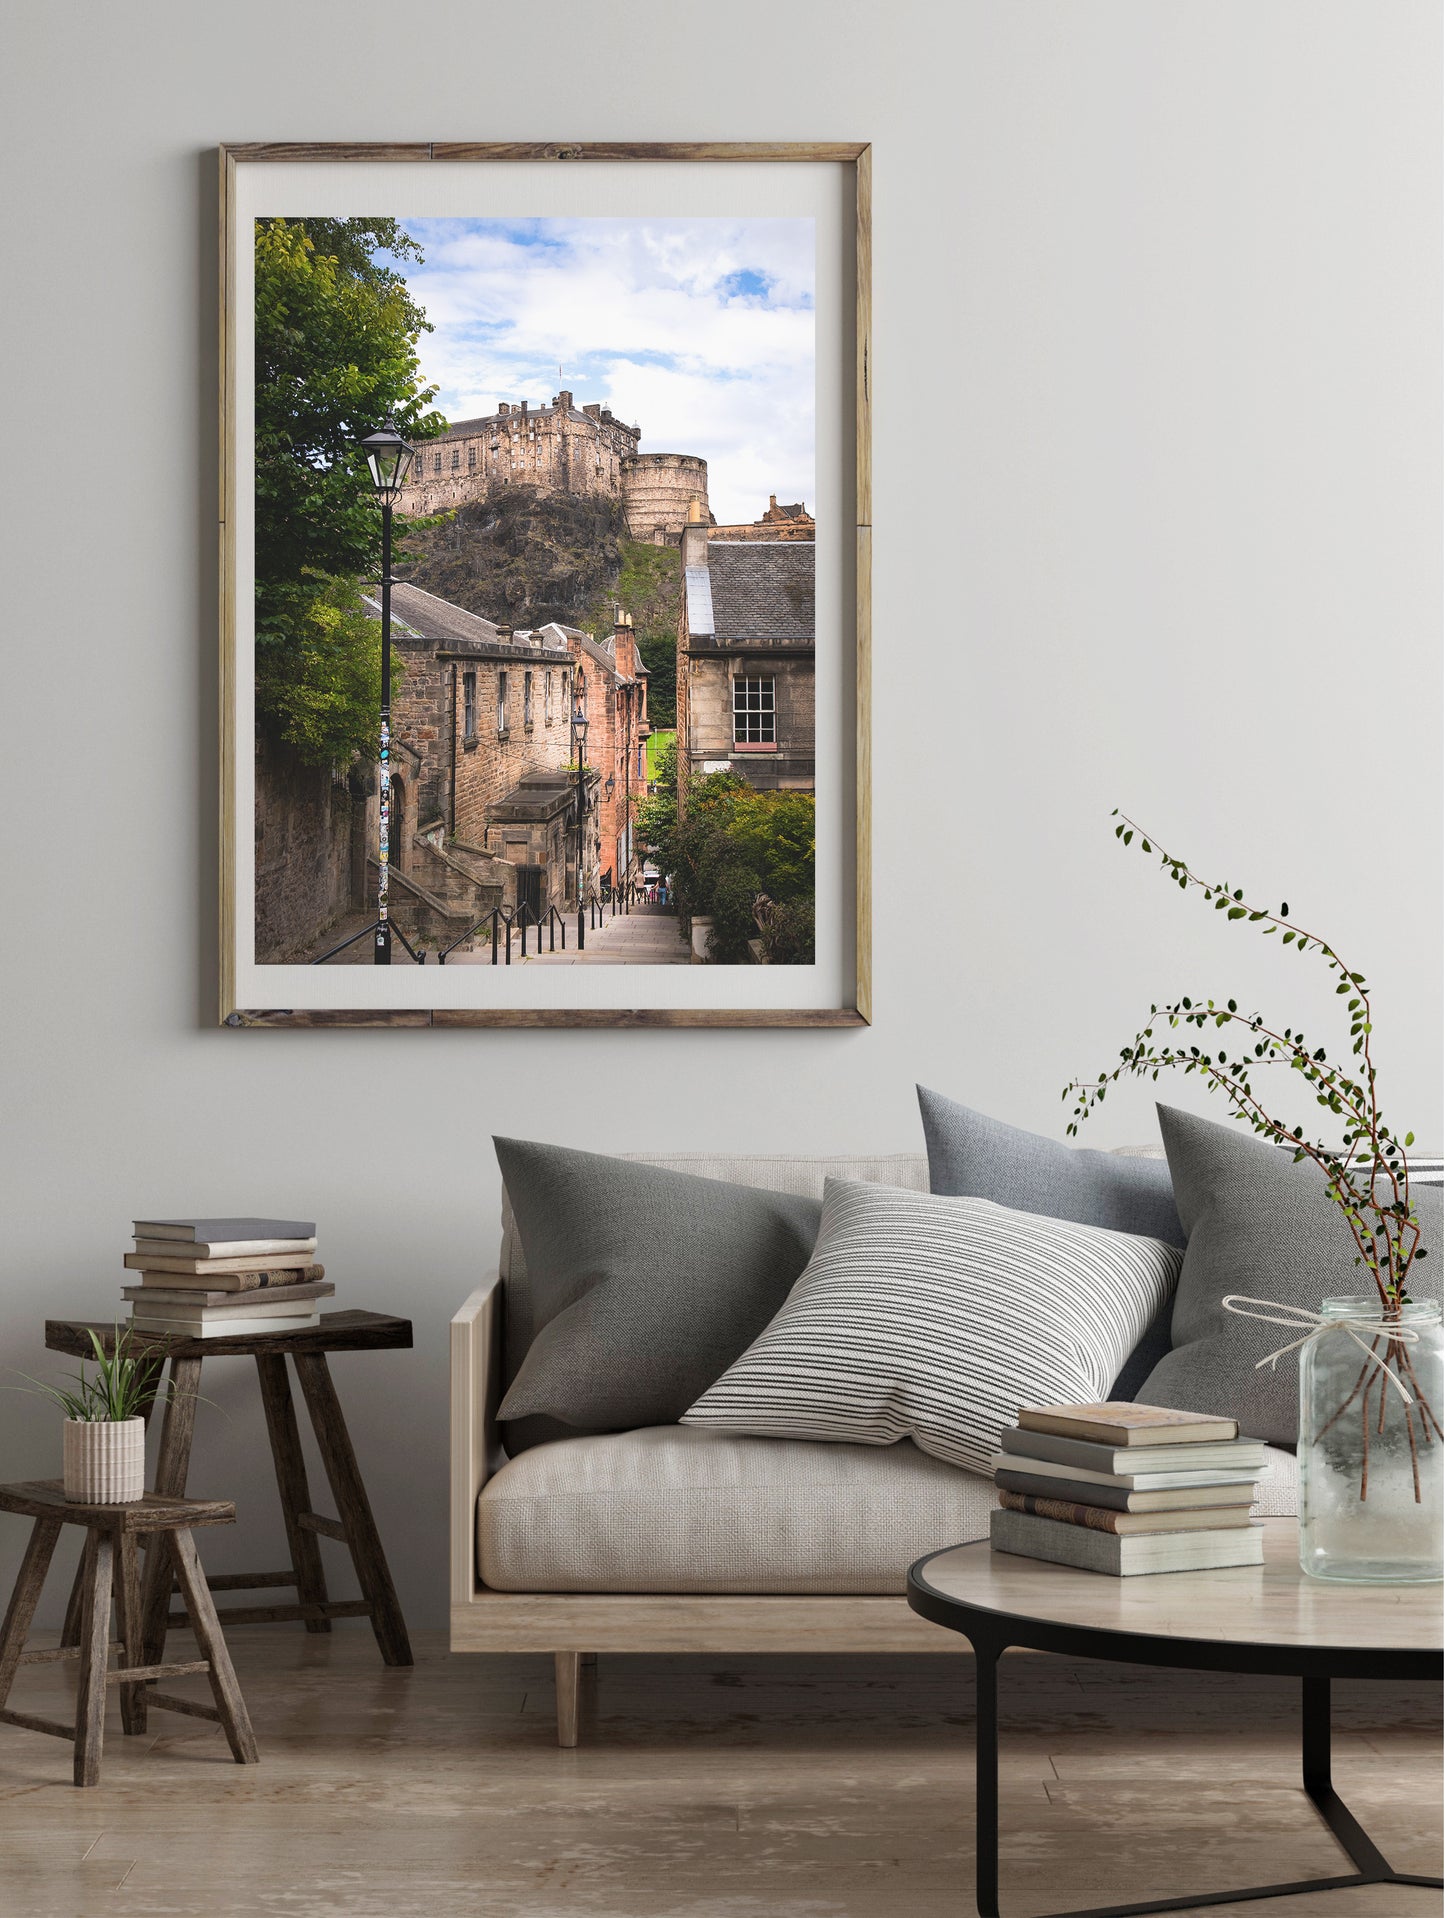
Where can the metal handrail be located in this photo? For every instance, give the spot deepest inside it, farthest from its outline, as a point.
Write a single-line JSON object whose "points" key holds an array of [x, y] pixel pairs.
{"points": [[513, 918], [366, 931]]}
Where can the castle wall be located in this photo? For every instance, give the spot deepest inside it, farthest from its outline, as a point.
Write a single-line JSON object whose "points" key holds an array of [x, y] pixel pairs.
{"points": [[559, 448], [658, 489]]}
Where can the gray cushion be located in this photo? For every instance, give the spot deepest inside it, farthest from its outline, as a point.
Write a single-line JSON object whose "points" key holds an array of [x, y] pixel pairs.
{"points": [[642, 1285], [1262, 1226], [971, 1156], [674, 1509]]}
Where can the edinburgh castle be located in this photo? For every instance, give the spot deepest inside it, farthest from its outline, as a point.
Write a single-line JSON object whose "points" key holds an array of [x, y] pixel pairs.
{"points": [[561, 448]]}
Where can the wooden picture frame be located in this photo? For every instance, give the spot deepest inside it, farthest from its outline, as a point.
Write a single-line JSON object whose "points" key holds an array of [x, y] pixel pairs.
{"points": [[855, 489]]}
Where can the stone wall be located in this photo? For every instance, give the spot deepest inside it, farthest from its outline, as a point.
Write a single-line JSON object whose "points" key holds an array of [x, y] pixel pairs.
{"points": [[310, 847], [657, 490]]}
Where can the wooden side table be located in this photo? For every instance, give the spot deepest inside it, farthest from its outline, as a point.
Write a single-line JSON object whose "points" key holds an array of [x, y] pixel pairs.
{"points": [[112, 1534], [355, 1528]]}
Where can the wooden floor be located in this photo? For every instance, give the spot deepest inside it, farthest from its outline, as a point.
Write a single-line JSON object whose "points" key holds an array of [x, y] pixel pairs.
{"points": [[703, 1788]]}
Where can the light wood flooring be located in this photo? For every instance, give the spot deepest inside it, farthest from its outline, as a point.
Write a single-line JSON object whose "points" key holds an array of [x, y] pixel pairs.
{"points": [[709, 1787]]}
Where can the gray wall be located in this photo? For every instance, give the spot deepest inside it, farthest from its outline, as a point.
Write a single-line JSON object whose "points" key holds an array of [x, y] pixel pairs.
{"points": [[1158, 525]]}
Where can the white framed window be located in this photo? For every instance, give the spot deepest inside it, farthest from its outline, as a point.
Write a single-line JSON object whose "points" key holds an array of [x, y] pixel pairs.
{"points": [[469, 705], [526, 699], [547, 700], [755, 712], [501, 702]]}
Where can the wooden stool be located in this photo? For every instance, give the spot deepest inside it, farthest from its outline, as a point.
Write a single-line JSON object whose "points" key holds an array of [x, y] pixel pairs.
{"points": [[355, 1528], [112, 1532]]}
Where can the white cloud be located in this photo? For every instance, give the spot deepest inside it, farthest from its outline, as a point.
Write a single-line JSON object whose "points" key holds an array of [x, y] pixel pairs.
{"points": [[701, 331]]}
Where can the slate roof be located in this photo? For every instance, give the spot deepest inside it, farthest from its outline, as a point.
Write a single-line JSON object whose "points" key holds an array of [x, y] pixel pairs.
{"points": [[760, 589], [416, 611]]}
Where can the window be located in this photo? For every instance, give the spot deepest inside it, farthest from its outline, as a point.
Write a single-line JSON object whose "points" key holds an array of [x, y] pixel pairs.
{"points": [[501, 702], [526, 699], [472, 455], [547, 700], [436, 462], [469, 705], [754, 713], [456, 459]]}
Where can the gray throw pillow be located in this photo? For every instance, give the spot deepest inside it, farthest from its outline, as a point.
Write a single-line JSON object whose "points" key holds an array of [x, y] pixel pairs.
{"points": [[971, 1156], [642, 1286], [1261, 1226]]}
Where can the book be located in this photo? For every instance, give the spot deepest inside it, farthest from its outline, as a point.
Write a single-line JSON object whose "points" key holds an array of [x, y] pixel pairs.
{"points": [[153, 1262], [279, 1298], [1042, 1468], [242, 1325], [1096, 1518], [1231, 1455], [254, 1279], [1045, 1538], [1120, 1498], [204, 1231], [1120, 1422], [222, 1248]]}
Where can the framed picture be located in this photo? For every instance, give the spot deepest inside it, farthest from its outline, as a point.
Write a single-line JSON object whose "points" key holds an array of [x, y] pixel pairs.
{"points": [[545, 517]]}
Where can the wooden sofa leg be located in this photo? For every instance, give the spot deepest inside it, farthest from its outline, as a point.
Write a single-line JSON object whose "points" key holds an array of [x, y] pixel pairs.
{"points": [[568, 1667]]}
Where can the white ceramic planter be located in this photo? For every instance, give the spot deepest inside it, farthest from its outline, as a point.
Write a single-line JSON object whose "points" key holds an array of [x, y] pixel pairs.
{"points": [[105, 1460]]}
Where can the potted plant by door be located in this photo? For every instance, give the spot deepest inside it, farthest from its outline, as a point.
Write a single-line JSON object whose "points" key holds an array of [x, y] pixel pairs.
{"points": [[103, 1438]]}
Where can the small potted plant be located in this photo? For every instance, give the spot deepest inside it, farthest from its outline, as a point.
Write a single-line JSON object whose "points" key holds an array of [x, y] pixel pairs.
{"points": [[104, 1431]]}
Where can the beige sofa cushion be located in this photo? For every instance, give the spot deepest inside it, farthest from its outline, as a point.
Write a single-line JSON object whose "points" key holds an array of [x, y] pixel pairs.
{"points": [[675, 1508]]}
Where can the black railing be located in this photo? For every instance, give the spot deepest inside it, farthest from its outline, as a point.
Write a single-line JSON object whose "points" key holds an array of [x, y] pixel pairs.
{"points": [[418, 953], [504, 923]]}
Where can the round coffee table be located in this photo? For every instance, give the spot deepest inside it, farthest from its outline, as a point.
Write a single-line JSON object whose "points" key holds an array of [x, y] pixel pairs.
{"points": [[1251, 1618]]}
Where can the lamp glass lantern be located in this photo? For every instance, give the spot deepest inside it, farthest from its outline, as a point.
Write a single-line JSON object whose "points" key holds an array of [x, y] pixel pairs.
{"points": [[390, 459]]}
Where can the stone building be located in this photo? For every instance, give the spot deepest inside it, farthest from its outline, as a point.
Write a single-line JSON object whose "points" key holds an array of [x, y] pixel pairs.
{"points": [[778, 522], [482, 792], [560, 448], [611, 689], [745, 667]]}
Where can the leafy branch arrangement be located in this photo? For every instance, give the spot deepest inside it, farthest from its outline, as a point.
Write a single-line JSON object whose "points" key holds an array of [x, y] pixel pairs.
{"points": [[123, 1385], [1366, 1174]]}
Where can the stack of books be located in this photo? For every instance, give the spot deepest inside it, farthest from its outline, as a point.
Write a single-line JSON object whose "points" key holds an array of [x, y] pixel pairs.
{"points": [[224, 1278], [1127, 1488]]}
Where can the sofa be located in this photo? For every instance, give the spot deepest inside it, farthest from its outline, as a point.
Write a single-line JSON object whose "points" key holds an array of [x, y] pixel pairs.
{"points": [[680, 1539]]}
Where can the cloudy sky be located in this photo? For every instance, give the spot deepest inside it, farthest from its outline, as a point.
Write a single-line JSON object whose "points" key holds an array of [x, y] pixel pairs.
{"points": [[700, 331]]}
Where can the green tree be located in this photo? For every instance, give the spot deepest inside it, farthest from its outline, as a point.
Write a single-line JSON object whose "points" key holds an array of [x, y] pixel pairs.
{"points": [[336, 337], [743, 858]]}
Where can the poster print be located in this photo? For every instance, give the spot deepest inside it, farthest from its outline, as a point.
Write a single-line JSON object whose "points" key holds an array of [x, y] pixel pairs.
{"points": [[524, 615]]}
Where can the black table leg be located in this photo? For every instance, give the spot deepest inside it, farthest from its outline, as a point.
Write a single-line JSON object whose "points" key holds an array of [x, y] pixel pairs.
{"points": [[1371, 1866], [985, 1843]]}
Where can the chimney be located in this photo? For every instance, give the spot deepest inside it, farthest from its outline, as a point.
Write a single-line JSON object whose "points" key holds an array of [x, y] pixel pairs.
{"points": [[502, 409], [694, 538], [592, 411], [563, 401], [622, 643]]}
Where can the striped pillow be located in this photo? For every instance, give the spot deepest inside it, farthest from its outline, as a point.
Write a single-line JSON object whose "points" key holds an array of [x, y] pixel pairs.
{"points": [[935, 1319]]}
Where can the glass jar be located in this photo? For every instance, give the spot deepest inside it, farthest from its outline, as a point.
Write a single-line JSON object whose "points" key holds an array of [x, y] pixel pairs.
{"points": [[1371, 1467]]}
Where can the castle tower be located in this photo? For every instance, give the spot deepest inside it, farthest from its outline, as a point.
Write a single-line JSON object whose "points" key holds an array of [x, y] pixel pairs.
{"points": [[657, 490]]}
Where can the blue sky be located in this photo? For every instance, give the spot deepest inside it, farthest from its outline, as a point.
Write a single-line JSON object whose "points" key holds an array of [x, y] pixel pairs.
{"points": [[701, 331]]}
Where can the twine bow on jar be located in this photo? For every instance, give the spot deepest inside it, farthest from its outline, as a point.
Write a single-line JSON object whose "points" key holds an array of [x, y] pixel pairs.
{"points": [[1318, 1325]]}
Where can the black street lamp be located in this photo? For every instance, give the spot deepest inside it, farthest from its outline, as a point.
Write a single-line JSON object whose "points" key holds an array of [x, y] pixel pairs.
{"points": [[390, 460], [579, 740]]}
